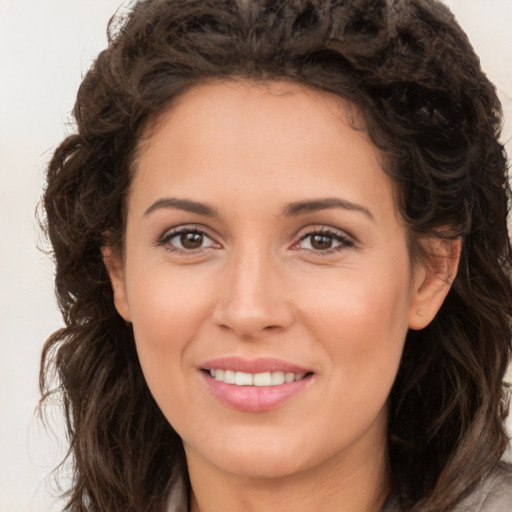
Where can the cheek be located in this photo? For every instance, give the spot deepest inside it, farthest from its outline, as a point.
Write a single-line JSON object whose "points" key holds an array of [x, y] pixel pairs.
{"points": [[362, 327], [167, 309], [166, 304], [363, 335]]}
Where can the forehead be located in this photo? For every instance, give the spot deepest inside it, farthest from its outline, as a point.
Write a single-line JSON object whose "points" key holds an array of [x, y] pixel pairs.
{"points": [[259, 136], [234, 99], [256, 106]]}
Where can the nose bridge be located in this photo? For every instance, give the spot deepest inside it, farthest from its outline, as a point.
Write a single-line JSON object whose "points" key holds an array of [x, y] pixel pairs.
{"points": [[254, 296]]}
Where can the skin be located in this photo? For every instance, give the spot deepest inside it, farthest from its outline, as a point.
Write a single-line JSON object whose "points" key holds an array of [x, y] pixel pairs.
{"points": [[259, 286]]}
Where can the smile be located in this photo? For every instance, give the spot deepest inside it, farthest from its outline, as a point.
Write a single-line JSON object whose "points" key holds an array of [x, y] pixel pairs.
{"points": [[255, 379], [255, 385]]}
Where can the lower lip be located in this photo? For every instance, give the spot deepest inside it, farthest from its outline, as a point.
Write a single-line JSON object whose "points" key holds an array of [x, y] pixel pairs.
{"points": [[255, 398]]}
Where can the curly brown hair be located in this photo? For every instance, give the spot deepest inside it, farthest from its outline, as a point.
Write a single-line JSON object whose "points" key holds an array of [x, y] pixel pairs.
{"points": [[410, 71]]}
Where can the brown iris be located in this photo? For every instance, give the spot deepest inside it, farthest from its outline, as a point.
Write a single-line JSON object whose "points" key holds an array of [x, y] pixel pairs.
{"points": [[321, 242], [191, 240]]}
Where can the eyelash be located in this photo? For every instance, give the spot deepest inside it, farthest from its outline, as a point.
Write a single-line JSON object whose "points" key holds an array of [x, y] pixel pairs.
{"points": [[343, 240]]}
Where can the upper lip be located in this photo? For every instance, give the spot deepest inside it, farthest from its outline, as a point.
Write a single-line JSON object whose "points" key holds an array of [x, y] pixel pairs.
{"points": [[259, 365]]}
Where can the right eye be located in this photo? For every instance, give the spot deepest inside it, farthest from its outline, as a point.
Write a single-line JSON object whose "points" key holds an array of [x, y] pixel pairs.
{"points": [[186, 240]]}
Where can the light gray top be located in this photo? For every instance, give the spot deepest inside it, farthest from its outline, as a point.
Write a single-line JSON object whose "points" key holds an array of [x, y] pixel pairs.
{"points": [[493, 495]]}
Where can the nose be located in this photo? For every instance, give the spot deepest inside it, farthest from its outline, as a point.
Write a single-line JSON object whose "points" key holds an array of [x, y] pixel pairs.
{"points": [[253, 299]]}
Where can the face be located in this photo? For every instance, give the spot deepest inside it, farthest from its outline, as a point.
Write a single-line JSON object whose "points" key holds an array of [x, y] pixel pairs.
{"points": [[267, 278]]}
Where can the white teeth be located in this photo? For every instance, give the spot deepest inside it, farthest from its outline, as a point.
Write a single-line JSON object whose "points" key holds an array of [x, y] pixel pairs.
{"points": [[243, 379], [255, 379], [262, 379], [277, 378], [228, 377]]}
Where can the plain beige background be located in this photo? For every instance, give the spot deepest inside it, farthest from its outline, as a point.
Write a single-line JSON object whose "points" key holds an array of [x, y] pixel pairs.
{"points": [[45, 47]]}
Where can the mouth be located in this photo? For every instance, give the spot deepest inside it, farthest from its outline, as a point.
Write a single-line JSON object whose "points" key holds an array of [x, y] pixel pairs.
{"points": [[263, 379], [257, 385]]}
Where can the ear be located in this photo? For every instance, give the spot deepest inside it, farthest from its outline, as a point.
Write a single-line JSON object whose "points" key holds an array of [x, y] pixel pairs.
{"points": [[114, 263], [433, 278]]}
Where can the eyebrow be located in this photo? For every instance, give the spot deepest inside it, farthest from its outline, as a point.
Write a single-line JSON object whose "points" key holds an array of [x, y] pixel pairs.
{"points": [[292, 210], [315, 205], [186, 205]]}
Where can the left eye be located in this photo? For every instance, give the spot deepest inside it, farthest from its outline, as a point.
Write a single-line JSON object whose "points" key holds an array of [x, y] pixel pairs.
{"points": [[187, 240], [323, 241]]}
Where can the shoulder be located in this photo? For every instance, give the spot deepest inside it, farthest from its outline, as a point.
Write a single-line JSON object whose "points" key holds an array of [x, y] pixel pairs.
{"points": [[494, 494], [178, 499]]}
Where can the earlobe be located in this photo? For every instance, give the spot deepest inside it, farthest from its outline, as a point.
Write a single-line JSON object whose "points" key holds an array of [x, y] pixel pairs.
{"points": [[114, 263], [433, 280]]}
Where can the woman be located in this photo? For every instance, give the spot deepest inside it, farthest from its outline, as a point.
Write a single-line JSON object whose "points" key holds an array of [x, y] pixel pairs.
{"points": [[283, 263]]}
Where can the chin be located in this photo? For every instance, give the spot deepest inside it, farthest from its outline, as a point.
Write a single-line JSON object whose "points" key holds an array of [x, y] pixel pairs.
{"points": [[256, 459], [260, 466]]}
